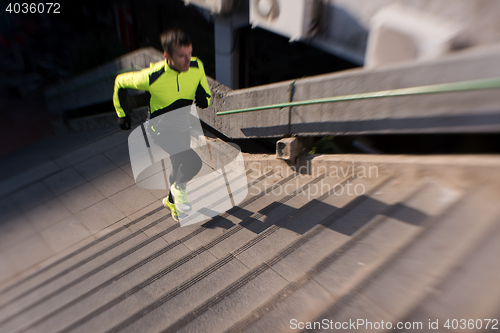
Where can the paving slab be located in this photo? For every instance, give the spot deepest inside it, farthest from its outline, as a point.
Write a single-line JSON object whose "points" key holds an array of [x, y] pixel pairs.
{"points": [[117, 226], [159, 194], [99, 216], [15, 230], [13, 184], [7, 268], [127, 168], [46, 215], [91, 149], [8, 209], [119, 154], [81, 197], [132, 199], [146, 211], [94, 167], [64, 180], [28, 252], [113, 182], [65, 233], [33, 196]]}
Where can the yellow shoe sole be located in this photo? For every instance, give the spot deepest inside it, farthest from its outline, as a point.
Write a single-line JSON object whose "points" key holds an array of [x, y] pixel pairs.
{"points": [[171, 206]]}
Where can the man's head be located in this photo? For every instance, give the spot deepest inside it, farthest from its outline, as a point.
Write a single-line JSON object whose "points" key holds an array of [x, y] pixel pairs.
{"points": [[177, 48]]}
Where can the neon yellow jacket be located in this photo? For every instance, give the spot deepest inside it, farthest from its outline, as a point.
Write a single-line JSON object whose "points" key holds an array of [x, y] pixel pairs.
{"points": [[169, 88]]}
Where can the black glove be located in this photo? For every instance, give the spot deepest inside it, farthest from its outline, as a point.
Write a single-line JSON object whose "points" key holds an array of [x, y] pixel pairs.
{"points": [[124, 123]]}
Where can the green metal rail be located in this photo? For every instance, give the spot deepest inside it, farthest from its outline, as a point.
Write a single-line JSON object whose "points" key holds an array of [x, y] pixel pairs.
{"points": [[430, 89]]}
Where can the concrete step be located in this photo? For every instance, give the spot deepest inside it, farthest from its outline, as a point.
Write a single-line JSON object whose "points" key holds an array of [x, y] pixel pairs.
{"points": [[172, 280], [334, 265], [304, 247], [42, 309], [225, 272], [153, 283], [467, 298], [398, 286], [142, 274], [104, 263]]}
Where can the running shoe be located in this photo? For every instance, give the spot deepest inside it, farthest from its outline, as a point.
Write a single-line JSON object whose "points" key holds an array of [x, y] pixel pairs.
{"points": [[180, 197]]}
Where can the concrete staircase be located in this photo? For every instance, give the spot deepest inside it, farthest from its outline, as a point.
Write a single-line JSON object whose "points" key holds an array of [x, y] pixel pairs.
{"points": [[412, 243]]}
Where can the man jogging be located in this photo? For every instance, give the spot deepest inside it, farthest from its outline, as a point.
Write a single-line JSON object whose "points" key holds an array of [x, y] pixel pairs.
{"points": [[173, 84]]}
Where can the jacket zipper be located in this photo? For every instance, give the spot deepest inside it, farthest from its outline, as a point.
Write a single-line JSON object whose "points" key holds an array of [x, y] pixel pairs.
{"points": [[177, 82]]}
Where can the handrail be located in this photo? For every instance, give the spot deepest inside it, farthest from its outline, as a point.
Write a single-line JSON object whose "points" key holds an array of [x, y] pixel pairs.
{"points": [[429, 89]]}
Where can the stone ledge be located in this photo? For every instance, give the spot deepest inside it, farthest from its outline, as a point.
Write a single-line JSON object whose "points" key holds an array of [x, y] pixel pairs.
{"points": [[458, 169]]}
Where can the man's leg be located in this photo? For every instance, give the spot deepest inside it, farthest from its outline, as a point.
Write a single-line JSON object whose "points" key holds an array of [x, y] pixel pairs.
{"points": [[176, 164], [185, 165], [172, 143], [190, 165]]}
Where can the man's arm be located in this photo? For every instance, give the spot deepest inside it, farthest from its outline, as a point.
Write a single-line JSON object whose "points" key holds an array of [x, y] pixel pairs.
{"points": [[202, 97], [132, 80]]}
